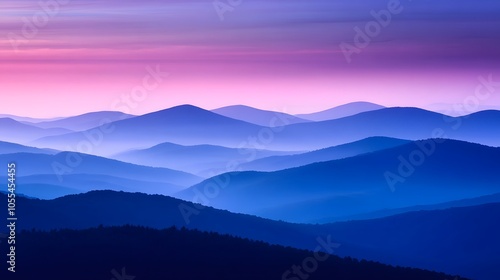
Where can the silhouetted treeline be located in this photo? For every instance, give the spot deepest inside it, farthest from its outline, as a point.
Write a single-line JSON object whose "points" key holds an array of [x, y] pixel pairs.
{"points": [[172, 253]]}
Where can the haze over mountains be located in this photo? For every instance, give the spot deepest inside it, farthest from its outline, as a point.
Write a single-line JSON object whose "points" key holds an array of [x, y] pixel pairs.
{"points": [[274, 163], [241, 145], [257, 116], [186, 125], [189, 125], [83, 122], [486, 199], [202, 160], [49, 176], [27, 119], [10, 148], [403, 123], [373, 168], [250, 140], [17, 132], [342, 111], [360, 184]]}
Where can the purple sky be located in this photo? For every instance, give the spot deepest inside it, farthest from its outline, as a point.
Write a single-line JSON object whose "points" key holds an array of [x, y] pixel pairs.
{"points": [[280, 55]]}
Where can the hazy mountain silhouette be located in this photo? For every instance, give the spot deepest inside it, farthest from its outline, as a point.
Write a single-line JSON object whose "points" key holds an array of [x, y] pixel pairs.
{"points": [[402, 123], [458, 240], [59, 166], [118, 252], [257, 116], [14, 131], [9, 148], [453, 170], [341, 111], [48, 186], [186, 125], [202, 160], [485, 199], [85, 121], [274, 163], [189, 125], [27, 119]]}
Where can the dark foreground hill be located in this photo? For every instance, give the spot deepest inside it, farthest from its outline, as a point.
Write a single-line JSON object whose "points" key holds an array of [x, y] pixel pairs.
{"points": [[141, 253], [460, 241]]}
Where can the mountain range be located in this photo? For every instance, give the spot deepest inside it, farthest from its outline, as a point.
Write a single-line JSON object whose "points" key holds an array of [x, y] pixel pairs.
{"points": [[402, 186], [20, 133], [189, 125], [456, 241], [257, 116], [28, 119], [83, 122], [361, 184], [11, 148], [185, 125], [275, 163], [50, 176], [202, 160], [341, 111]]}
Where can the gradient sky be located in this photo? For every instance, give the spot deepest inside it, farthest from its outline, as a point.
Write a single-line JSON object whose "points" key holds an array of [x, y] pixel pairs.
{"points": [[276, 54]]}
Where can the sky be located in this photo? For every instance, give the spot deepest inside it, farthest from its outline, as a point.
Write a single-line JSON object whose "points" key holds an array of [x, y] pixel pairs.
{"points": [[68, 57]]}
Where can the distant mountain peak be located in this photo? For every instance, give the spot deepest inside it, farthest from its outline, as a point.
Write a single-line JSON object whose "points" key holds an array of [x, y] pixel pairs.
{"points": [[181, 109], [359, 103], [342, 111], [258, 116], [8, 121]]}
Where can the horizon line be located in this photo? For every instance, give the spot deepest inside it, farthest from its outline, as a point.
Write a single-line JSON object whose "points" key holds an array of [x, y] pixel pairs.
{"points": [[55, 118]]}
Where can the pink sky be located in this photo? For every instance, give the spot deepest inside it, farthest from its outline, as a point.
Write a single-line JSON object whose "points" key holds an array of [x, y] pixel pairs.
{"points": [[274, 55]]}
